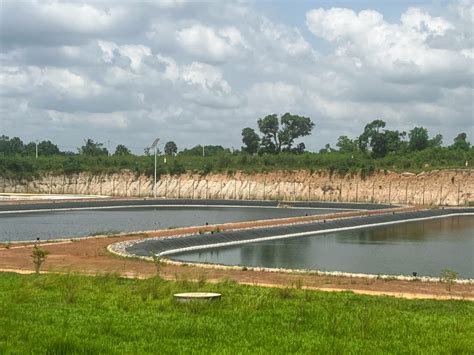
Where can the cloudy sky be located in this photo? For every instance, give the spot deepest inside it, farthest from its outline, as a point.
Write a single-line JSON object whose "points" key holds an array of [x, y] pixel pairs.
{"points": [[198, 72]]}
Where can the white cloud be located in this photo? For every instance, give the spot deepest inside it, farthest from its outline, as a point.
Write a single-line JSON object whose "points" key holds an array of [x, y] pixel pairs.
{"points": [[192, 70], [276, 96], [210, 44], [98, 120], [207, 87], [401, 52]]}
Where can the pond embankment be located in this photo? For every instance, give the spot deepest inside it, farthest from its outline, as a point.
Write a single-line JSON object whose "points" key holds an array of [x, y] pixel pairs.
{"points": [[439, 187]]}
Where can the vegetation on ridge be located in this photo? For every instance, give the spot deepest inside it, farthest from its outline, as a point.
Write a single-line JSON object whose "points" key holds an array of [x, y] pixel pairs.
{"points": [[376, 148]]}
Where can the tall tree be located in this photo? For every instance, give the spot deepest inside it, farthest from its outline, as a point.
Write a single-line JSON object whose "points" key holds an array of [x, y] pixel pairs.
{"points": [[251, 140], [381, 142], [280, 134], [93, 148], [371, 130], [418, 138], [171, 148], [122, 150], [460, 142], [269, 127]]}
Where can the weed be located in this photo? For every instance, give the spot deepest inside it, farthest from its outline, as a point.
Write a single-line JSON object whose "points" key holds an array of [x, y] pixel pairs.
{"points": [[285, 293], [448, 276], [70, 288], [159, 262], [39, 257], [202, 280]]}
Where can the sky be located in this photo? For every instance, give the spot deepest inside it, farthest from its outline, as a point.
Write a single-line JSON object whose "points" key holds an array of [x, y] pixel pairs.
{"points": [[126, 72]]}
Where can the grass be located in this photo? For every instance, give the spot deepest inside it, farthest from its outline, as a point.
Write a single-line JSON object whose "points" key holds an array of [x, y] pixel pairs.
{"points": [[107, 314]]}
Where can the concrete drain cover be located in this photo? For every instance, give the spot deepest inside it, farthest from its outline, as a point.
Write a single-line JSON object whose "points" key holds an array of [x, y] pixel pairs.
{"points": [[192, 296]]}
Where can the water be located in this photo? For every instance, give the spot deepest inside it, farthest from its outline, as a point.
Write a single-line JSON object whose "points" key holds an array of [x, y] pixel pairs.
{"points": [[78, 223], [425, 247]]}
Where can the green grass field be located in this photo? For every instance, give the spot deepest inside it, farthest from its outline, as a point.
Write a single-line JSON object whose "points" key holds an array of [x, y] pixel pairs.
{"points": [[66, 314]]}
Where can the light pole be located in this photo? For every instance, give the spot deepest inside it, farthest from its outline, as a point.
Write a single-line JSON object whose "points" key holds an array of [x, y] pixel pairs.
{"points": [[36, 143], [153, 146]]}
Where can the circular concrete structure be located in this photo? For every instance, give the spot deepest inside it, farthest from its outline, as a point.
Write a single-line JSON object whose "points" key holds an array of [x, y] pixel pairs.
{"points": [[196, 296]]}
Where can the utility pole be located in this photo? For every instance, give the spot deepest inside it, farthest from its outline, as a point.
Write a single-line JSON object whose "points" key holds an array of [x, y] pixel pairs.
{"points": [[153, 146], [36, 143], [203, 154]]}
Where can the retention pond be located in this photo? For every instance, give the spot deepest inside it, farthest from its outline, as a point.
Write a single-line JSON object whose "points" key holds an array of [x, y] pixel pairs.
{"points": [[425, 247], [51, 224]]}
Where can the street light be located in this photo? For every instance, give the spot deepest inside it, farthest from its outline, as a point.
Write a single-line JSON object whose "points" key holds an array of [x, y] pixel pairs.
{"points": [[153, 146]]}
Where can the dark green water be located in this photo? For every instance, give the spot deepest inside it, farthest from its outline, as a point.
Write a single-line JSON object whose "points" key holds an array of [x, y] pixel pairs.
{"points": [[425, 247], [77, 223]]}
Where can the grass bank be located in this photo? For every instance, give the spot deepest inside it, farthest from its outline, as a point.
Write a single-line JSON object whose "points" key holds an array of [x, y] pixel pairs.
{"points": [[108, 314]]}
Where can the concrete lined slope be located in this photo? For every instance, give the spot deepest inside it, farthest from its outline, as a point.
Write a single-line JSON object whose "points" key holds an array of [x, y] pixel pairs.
{"points": [[172, 245]]}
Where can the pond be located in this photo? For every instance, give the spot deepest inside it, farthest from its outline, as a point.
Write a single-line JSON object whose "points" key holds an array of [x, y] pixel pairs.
{"points": [[426, 247], [78, 223]]}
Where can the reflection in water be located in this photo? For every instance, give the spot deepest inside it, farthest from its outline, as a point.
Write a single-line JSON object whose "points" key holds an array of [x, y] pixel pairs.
{"points": [[76, 223], [406, 231], [425, 247]]}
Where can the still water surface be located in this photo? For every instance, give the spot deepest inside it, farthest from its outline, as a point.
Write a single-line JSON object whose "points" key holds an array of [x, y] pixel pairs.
{"points": [[426, 247], [77, 223]]}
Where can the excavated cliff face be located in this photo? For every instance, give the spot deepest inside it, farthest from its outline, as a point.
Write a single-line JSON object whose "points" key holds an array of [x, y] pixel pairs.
{"points": [[445, 187]]}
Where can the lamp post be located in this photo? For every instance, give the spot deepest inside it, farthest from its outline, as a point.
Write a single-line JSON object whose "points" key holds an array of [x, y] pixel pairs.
{"points": [[153, 146]]}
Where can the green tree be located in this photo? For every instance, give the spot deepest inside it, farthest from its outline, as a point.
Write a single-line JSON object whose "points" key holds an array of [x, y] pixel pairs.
{"points": [[418, 139], [93, 148], [269, 126], [299, 149], [48, 148], [369, 136], [122, 150], [394, 140], [251, 140], [280, 134], [346, 145], [171, 148], [379, 146], [11, 146], [460, 142], [381, 142], [208, 150], [436, 141]]}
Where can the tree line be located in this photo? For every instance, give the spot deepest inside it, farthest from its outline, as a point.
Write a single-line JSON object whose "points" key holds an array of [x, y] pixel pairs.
{"points": [[277, 135]]}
